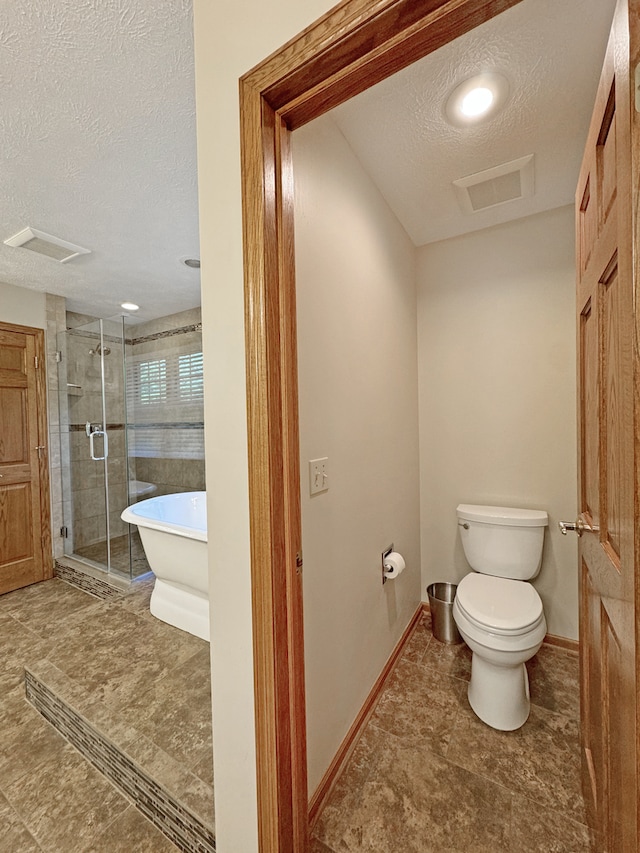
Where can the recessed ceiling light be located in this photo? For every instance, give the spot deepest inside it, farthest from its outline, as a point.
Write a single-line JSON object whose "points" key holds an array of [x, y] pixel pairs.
{"points": [[194, 263], [477, 102], [477, 99], [129, 306]]}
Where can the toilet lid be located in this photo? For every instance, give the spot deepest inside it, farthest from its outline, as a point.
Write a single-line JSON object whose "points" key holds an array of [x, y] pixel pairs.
{"points": [[500, 604]]}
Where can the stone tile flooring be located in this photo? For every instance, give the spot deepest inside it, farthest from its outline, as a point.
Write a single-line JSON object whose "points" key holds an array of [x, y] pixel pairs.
{"points": [[142, 680], [427, 776], [126, 556]]}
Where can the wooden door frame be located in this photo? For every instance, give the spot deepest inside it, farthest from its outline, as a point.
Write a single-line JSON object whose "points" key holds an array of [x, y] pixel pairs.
{"points": [[42, 439], [352, 47]]}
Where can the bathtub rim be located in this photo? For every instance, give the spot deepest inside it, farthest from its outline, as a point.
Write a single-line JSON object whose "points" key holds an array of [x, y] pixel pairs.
{"points": [[130, 515]]}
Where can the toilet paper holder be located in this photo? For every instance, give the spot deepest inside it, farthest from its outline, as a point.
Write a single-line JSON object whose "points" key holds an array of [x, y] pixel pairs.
{"points": [[385, 554]]}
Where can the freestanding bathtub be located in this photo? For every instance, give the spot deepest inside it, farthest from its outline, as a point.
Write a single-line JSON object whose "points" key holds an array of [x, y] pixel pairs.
{"points": [[173, 529]]}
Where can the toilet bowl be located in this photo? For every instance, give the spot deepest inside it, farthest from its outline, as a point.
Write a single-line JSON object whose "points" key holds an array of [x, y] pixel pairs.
{"points": [[498, 613], [501, 638]]}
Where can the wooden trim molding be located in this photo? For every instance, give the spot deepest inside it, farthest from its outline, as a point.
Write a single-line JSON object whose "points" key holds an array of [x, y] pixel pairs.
{"points": [[356, 44], [43, 462], [347, 746], [562, 642]]}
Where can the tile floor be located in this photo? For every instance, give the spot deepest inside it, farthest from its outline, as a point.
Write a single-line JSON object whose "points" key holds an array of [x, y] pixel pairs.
{"points": [[427, 776], [120, 667]]}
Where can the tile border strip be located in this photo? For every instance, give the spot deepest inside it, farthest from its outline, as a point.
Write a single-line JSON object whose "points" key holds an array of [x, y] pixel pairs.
{"points": [[175, 821], [87, 583]]}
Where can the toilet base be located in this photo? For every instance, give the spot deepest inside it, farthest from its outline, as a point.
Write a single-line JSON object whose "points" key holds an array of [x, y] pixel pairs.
{"points": [[499, 695]]}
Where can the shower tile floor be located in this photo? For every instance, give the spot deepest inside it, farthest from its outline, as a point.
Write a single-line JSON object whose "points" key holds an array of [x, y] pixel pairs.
{"points": [[121, 554], [138, 678], [427, 776]]}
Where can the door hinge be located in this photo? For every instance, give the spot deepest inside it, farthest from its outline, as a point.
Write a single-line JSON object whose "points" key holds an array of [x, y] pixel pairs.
{"points": [[64, 531], [299, 562], [35, 359], [637, 85]]}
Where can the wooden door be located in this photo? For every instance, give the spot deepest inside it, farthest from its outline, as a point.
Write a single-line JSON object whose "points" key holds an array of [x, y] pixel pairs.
{"points": [[606, 202], [25, 539]]}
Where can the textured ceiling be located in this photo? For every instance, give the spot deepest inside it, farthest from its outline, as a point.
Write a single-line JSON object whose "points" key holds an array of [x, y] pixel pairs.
{"points": [[98, 136], [551, 52], [98, 148]]}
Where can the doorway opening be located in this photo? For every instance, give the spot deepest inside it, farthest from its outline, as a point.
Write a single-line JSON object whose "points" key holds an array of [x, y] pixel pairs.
{"points": [[346, 52]]}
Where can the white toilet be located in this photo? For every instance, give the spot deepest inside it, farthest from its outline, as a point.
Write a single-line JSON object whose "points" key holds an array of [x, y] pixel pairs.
{"points": [[498, 613]]}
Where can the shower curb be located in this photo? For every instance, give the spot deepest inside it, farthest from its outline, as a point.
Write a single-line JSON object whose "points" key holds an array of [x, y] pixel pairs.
{"points": [[178, 823], [87, 583]]}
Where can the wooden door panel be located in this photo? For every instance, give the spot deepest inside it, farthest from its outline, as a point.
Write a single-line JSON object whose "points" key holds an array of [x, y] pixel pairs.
{"points": [[612, 415], [591, 680], [588, 224], [14, 433], [606, 158], [612, 798], [11, 357], [609, 453], [589, 405], [25, 552], [16, 540]]}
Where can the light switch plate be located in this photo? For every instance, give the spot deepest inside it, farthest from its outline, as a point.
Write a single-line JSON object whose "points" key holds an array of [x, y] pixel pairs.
{"points": [[318, 475]]}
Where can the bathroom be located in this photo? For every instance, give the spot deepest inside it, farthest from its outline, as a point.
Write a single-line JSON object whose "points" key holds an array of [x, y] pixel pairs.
{"points": [[142, 383], [430, 397]]}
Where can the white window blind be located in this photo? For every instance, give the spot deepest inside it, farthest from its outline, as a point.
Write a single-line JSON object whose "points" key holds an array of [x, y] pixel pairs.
{"points": [[152, 381], [190, 376]]}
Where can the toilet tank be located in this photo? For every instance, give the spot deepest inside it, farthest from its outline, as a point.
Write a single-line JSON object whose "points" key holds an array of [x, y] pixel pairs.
{"points": [[502, 541]]}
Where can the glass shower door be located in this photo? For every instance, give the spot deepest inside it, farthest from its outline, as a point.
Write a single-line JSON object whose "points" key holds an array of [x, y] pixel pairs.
{"points": [[92, 402]]}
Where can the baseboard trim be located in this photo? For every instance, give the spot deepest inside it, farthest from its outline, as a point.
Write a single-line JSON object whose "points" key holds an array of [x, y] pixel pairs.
{"points": [[562, 642], [347, 746]]}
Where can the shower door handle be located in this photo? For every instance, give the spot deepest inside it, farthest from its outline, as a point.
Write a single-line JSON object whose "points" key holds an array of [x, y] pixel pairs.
{"points": [[105, 445]]}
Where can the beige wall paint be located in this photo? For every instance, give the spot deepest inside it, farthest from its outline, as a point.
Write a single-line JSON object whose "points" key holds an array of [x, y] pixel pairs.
{"points": [[230, 38], [357, 351], [496, 331], [22, 307], [226, 47]]}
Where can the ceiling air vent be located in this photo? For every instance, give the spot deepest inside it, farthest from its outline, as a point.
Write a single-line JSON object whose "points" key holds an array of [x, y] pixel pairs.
{"points": [[504, 183], [46, 244]]}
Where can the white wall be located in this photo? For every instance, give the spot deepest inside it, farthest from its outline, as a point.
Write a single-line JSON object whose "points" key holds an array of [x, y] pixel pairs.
{"points": [[22, 307], [230, 38], [357, 368], [496, 330]]}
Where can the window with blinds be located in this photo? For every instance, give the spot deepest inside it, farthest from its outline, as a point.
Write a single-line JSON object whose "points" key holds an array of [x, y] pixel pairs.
{"points": [[172, 380], [152, 381], [190, 377]]}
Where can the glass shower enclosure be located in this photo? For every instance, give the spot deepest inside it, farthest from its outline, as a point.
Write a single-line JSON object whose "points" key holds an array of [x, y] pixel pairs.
{"points": [[93, 418]]}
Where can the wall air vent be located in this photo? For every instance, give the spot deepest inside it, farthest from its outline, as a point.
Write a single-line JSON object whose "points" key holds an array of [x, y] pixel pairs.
{"points": [[46, 244], [507, 182]]}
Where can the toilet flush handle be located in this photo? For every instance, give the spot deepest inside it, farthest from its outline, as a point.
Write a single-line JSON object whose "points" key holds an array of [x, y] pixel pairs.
{"points": [[579, 526]]}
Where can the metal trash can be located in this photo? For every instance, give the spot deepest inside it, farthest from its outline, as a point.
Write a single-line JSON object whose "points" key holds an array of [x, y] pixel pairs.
{"points": [[441, 596]]}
